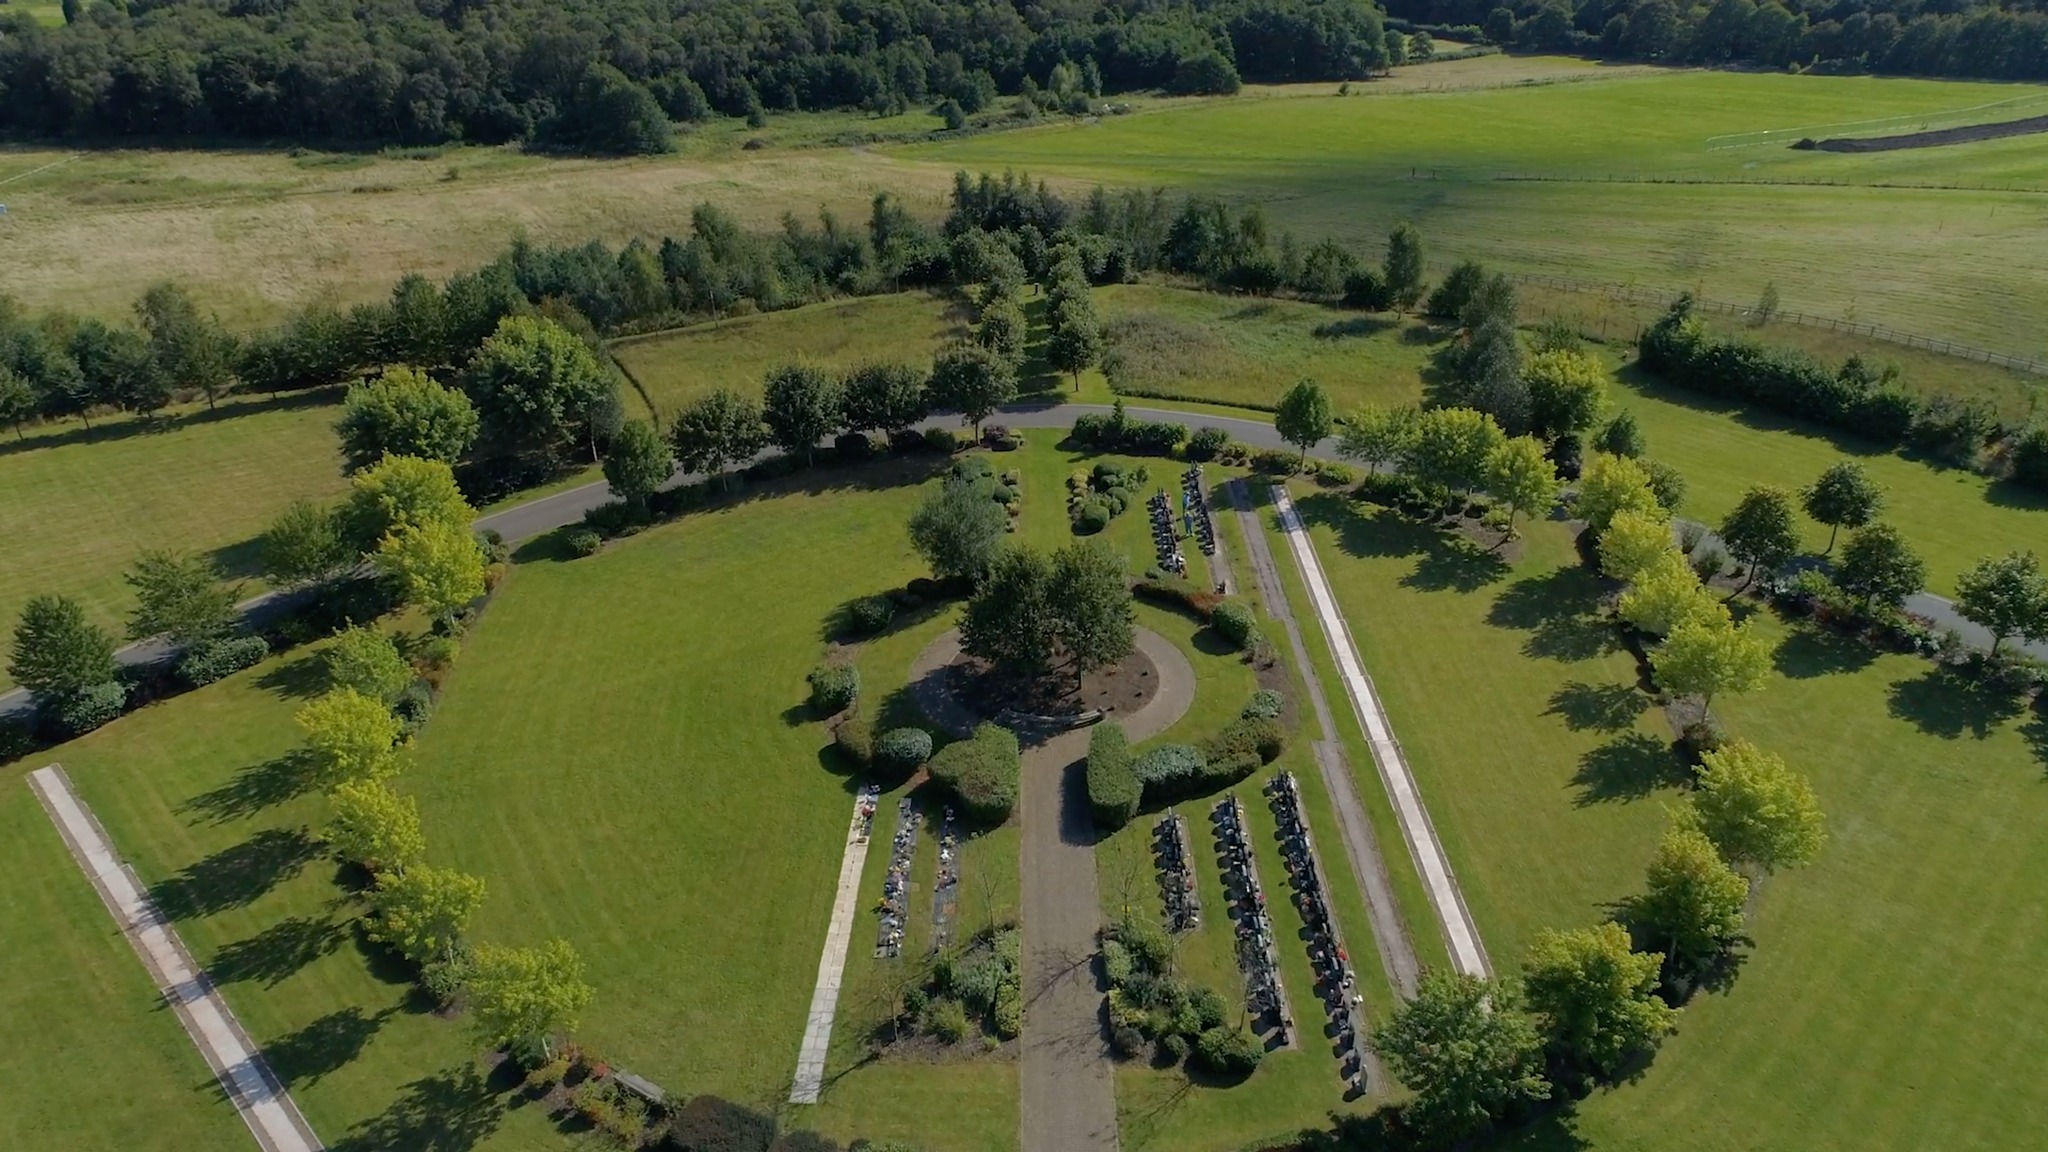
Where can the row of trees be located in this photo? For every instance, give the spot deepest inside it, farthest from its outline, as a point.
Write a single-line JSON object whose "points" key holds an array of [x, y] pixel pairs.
{"points": [[62, 365], [610, 75]]}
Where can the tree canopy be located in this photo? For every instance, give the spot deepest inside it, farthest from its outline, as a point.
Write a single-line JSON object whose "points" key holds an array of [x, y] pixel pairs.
{"points": [[1755, 809], [405, 412], [57, 652], [1595, 998], [1468, 1052], [2007, 595], [1304, 416]]}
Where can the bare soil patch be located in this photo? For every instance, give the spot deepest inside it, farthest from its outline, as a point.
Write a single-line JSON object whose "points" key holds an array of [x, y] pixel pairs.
{"points": [[1117, 691]]}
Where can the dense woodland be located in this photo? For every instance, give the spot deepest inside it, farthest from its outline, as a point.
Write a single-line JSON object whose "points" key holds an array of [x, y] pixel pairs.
{"points": [[607, 75]]}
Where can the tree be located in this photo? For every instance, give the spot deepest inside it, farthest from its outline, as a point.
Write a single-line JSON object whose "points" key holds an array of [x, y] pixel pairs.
{"points": [[1449, 450], [1002, 328], [1075, 341], [1667, 483], [366, 660], [1595, 999], [1844, 497], [2008, 596], [1706, 656], [1611, 485], [959, 531], [1376, 435], [375, 827], [1010, 621], [1755, 809], [1566, 392], [400, 492], [1632, 542], [349, 736], [716, 431], [179, 596], [801, 406], [404, 412], [1878, 565], [638, 463], [303, 543], [1520, 475], [1666, 592], [1691, 906], [17, 400], [1468, 1052], [1403, 268], [439, 565], [57, 653], [1304, 416], [972, 381], [417, 332], [193, 352], [422, 911], [1091, 605], [522, 996], [530, 382], [1761, 532], [1621, 437], [884, 397]]}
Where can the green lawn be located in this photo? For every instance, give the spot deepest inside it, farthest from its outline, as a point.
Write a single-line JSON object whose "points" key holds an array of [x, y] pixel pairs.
{"points": [[1355, 166], [80, 1009], [76, 506], [194, 792]]}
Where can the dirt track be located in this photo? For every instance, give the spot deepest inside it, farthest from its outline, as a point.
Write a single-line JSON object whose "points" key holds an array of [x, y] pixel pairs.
{"points": [[1938, 137]]}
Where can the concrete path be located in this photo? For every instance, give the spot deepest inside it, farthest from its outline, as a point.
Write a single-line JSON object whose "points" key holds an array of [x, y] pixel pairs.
{"points": [[1354, 827], [810, 1061], [1468, 955], [244, 1076]]}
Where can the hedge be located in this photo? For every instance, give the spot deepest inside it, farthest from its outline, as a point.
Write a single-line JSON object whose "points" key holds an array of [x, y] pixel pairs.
{"points": [[1113, 789], [216, 659], [982, 773]]}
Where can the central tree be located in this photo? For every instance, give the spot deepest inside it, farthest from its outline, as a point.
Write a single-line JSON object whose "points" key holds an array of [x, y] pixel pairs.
{"points": [[1032, 613]]}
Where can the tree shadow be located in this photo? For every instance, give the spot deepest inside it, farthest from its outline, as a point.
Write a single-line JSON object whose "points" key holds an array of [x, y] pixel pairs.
{"points": [[1810, 652], [1599, 707], [1942, 703], [241, 560], [1559, 610], [453, 1110], [1455, 564], [1354, 327], [300, 678], [2009, 493], [2035, 733], [235, 877], [277, 952], [385, 965], [1384, 533], [326, 1045], [253, 789], [1629, 767], [158, 424]]}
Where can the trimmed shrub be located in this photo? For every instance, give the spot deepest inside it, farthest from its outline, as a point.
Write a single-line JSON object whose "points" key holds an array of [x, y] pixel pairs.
{"points": [[17, 739], [583, 542], [1259, 737], [855, 741], [941, 440], [853, 446], [1274, 462], [1331, 474], [1229, 1051], [1175, 1047], [1177, 593], [834, 688], [982, 773], [1091, 516], [414, 704], [903, 750], [1233, 620], [1207, 444], [1169, 771], [217, 659], [904, 441], [870, 614], [1113, 789], [77, 713], [1265, 703]]}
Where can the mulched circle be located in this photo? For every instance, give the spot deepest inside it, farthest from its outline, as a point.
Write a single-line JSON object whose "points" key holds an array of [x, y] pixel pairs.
{"points": [[1117, 691]]}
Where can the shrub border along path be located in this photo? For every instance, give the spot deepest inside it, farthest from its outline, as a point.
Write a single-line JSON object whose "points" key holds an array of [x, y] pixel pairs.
{"points": [[1461, 933], [245, 1077]]}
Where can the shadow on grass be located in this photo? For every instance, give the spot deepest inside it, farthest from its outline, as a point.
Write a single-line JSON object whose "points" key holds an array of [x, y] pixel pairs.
{"points": [[1558, 609], [253, 789], [107, 431], [1597, 707], [1449, 563], [235, 877], [1629, 767], [1810, 652], [277, 952], [453, 1110], [2011, 494], [301, 678], [1942, 703], [1354, 327], [326, 1045]]}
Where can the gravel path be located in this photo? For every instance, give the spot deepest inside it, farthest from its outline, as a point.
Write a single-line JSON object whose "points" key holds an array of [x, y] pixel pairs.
{"points": [[1468, 954], [245, 1077], [817, 1042], [1354, 827]]}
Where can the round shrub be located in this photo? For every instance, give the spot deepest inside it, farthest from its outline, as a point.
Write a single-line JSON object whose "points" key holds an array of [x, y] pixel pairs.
{"points": [[852, 446], [834, 688], [1207, 444], [219, 658], [940, 440], [1175, 1047], [414, 704], [1233, 621], [903, 750], [79, 712], [366, 660], [982, 773], [1229, 1051], [1208, 1005], [583, 542], [1266, 703], [1091, 517], [1127, 1042], [855, 741], [871, 614], [17, 739]]}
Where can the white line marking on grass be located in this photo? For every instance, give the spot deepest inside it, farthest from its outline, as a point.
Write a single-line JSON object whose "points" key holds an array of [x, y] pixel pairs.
{"points": [[810, 1060], [1468, 955], [255, 1091], [44, 168], [1771, 135]]}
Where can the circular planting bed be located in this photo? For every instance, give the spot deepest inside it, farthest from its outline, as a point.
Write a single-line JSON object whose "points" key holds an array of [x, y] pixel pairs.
{"points": [[1146, 693], [1117, 691]]}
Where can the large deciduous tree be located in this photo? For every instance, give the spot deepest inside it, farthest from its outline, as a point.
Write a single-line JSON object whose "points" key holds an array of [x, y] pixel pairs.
{"points": [[716, 431], [1091, 606], [1010, 622], [17, 400], [532, 382], [1374, 436], [1755, 809], [522, 996], [396, 493], [440, 566], [2007, 595], [1611, 484], [1879, 566], [638, 463], [1761, 532], [801, 405], [1304, 416], [349, 736], [1520, 475], [1632, 542], [958, 530], [422, 911], [1844, 497], [1449, 450], [1466, 1049], [971, 380], [180, 596], [375, 827], [1595, 999], [884, 397], [1566, 392], [405, 412], [57, 652], [1666, 592], [192, 351], [1691, 905], [367, 660], [1707, 656], [1402, 272], [303, 543]]}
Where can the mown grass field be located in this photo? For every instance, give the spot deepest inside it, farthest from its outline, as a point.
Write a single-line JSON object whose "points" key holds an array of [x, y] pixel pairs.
{"points": [[1881, 1002], [195, 793]]}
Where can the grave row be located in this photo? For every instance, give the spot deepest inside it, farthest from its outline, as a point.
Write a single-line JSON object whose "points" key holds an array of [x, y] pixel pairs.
{"points": [[1256, 954], [1194, 501], [1336, 981], [1177, 887], [894, 907], [946, 893], [1165, 541]]}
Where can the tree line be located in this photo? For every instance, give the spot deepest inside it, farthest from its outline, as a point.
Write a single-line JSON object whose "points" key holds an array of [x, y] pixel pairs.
{"points": [[611, 75], [1994, 40]]}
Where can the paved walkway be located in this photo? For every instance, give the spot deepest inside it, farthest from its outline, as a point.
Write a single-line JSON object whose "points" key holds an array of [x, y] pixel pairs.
{"points": [[810, 1061], [1354, 827], [244, 1076], [1468, 954]]}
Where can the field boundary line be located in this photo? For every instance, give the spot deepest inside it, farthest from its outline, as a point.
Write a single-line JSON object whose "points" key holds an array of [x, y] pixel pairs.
{"points": [[817, 1042], [245, 1077], [1468, 954]]}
